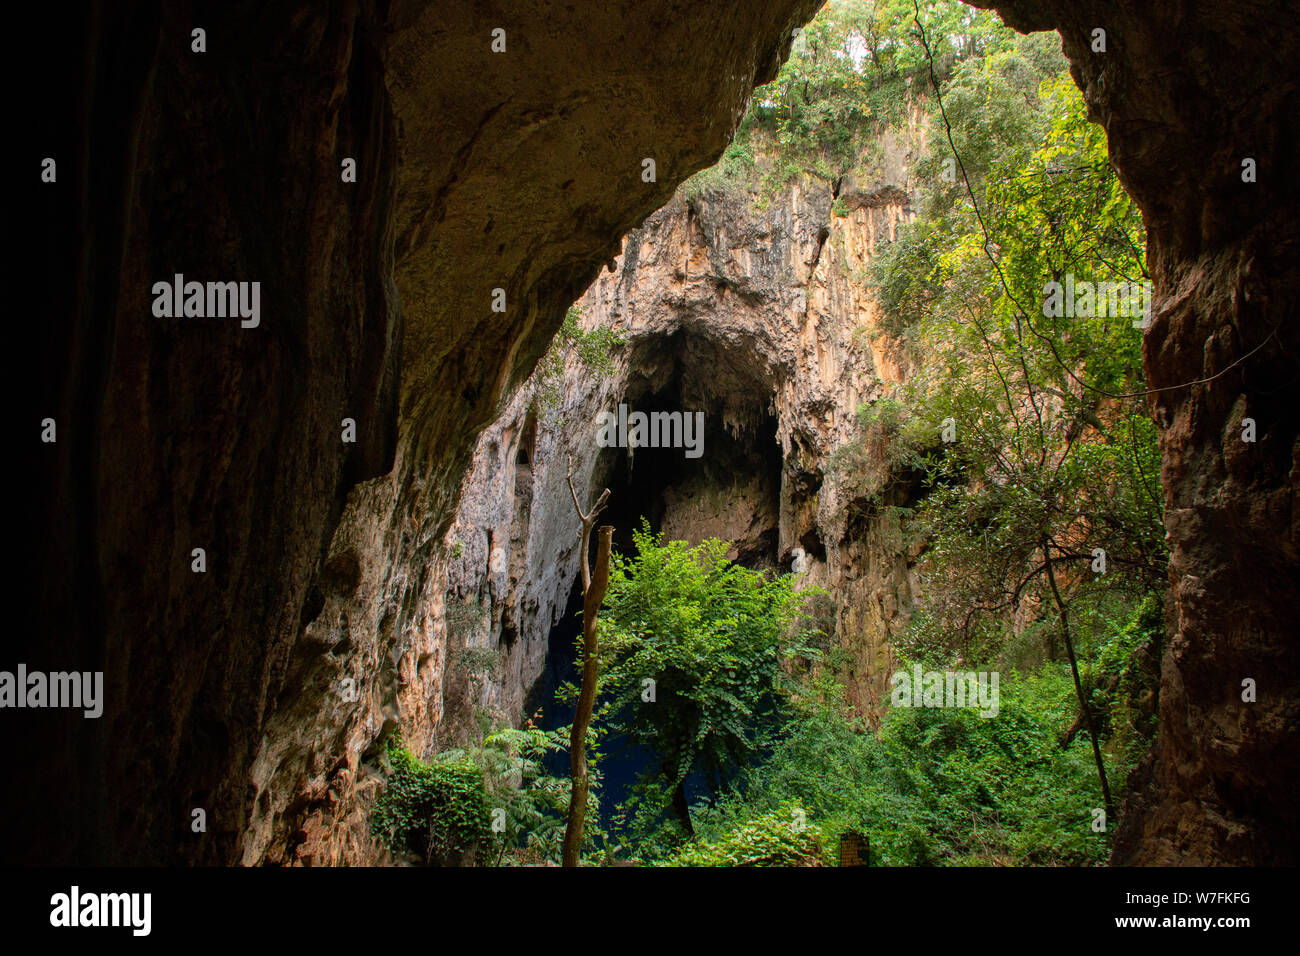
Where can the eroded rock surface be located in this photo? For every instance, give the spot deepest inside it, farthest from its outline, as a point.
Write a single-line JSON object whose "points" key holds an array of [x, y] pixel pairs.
{"points": [[522, 171], [754, 316], [518, 170]]}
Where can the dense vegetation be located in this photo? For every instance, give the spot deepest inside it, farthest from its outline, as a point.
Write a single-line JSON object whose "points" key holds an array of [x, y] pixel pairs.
{"points": [[695, 652], [853, 73], [437, 813], [945, 786], [792, 767], [1021, 450], [1019, 457], [930, 786]]}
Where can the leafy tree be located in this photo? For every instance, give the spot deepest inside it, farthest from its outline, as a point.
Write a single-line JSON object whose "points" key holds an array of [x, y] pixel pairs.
{"points": [[1041, 468], [693, 648], [847, 78], [1048, 464]]}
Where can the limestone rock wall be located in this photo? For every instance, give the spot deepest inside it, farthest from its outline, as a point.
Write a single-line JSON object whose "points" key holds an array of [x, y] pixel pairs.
{"points": [[758, 313], [523, 173], [507, 168], [475, 171]]}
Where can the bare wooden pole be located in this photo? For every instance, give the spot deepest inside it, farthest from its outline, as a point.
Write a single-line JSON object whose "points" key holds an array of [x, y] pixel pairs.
{"points": [[593, 594], [587, 520]]}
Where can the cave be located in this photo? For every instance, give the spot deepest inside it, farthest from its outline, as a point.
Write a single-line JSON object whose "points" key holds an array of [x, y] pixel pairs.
{"points": [[732, 493], [522, 174]]}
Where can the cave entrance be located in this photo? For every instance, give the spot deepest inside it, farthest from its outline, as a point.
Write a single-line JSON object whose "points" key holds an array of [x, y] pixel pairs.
{"points": [[731, 491]]}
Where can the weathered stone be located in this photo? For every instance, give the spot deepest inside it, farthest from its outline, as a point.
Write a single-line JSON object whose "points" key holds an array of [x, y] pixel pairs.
{"points": [[523, 172], [474, 170], [757, 320]]}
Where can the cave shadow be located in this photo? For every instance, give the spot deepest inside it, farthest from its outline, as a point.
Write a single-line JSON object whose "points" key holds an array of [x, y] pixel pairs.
{"points": [[645, 483]]}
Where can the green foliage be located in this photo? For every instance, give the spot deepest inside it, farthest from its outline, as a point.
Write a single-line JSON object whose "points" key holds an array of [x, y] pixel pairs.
{"points": [[534, 803], [1126, 678], [853, 71], [1045, 467], [737, 165], [712, 636], [906, 278], [893, 442], [1049, 457], [779, 838], [438, 812], [478, 663], [932, 786]]}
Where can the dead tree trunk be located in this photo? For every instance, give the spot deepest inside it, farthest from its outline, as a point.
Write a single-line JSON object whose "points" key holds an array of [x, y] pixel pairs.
{"points": [[593, 593]]}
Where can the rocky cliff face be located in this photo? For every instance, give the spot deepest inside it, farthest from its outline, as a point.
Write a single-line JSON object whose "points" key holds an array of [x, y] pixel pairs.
{"points": [[330, 560], [753, 315], [752, 318], [476, 170]]}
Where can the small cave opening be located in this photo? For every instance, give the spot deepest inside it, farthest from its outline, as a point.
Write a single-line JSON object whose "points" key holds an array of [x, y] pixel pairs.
{"points": [[719, 477], [728, 487]]}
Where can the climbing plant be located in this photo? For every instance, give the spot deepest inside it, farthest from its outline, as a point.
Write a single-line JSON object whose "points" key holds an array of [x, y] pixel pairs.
{"points": [[591, 348], [437, 812]]}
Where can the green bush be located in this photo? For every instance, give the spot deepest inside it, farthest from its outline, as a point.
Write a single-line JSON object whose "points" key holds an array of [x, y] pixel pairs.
{"points": [[779, 838], [534, 803], [437, 812]]}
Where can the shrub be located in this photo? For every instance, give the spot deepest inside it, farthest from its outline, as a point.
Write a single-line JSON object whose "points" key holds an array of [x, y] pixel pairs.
{"points": [[437, 812], [779, 838], [534, 803]]}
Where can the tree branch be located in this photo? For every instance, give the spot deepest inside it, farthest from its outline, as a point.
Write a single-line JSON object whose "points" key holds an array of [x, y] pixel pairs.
{"points": [[593, 594], [1078, 685], [588, 520]]}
